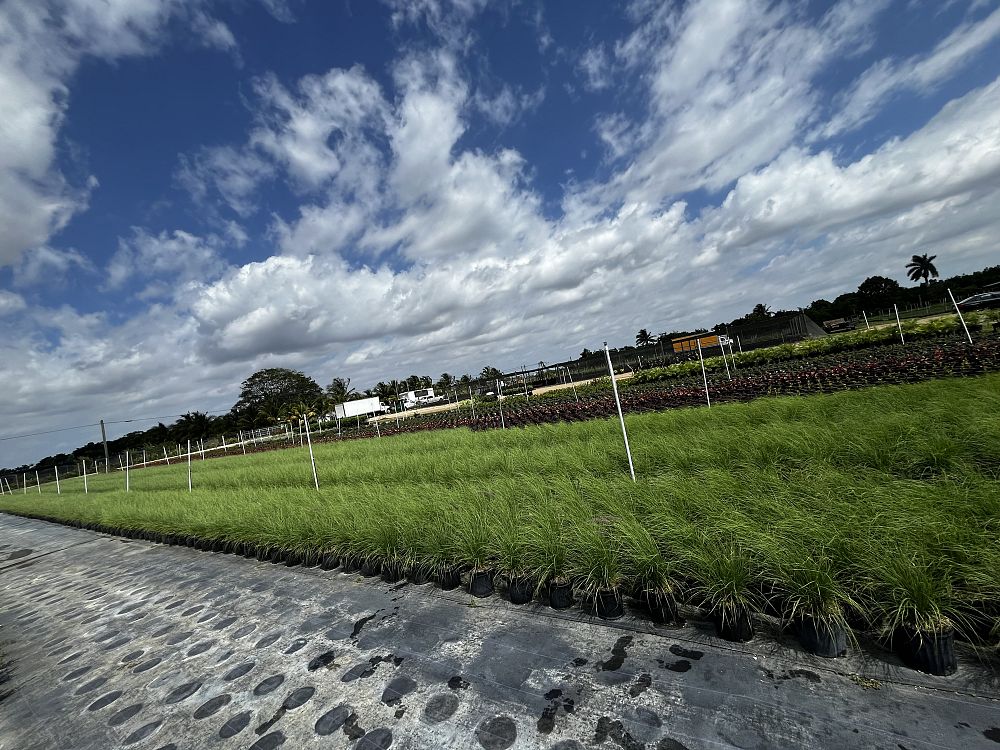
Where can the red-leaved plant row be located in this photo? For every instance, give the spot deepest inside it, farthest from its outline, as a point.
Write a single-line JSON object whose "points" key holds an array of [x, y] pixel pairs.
{"points": [[887, 365]]}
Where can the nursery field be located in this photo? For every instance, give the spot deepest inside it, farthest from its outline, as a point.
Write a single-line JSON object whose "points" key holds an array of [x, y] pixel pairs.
{"points": [[874, 509]]}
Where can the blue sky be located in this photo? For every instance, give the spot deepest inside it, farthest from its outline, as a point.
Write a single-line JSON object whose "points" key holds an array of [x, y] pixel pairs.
{"points": [[192, 190]]}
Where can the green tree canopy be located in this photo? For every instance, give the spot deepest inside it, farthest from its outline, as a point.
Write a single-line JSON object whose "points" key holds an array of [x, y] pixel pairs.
{"points": [[340, 390], [878, 290], [276, 387], [490, 373]]}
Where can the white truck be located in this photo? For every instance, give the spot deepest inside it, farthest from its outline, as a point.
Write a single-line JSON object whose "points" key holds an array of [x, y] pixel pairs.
{"points": [[419, 397]]}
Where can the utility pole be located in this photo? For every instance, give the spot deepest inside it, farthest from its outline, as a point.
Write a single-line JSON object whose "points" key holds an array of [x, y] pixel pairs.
{"points": [[104, 439]]}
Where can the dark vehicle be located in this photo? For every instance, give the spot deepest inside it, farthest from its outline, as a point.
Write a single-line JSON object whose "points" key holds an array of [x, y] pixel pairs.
{"points": [[984, 301], [839, 324]]}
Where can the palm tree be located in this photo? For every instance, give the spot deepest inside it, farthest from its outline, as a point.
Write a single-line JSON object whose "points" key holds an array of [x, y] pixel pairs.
{"points": [[643, 338], [921, 267]]}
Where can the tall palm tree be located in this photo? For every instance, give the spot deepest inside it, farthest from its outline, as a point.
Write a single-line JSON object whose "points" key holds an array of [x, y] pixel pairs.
{"points": [[921, 267], [643, 338]]}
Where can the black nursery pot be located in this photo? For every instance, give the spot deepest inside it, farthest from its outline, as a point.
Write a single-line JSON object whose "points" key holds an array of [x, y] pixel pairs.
{"points": [[609, 604], [418, 574], [481, 582], [662, 609], [520, 589], [933, 653], [734, 626], [560, 594], [392, 572], [449, 578], [826, 639]]}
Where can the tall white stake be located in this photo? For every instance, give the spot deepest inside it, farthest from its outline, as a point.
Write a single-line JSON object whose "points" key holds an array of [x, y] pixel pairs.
{"points": [[58, 490], [723, 347], [128, 463], [312, 459], [899, 324], [570, 376], [704, 375], [867, 324], [739, 344], [377, 430], [500, 404], [38, 483], [224, 448], [86, 490], [24, 482], [621, 417], [189, 466], [165, 456], [960, 316]]}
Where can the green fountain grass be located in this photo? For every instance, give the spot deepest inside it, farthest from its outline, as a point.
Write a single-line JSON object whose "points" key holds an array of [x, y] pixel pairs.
{"points": [[883, 503]]}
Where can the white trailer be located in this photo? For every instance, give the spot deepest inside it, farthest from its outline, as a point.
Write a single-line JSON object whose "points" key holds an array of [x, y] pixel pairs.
{"points": [[361, 406]]}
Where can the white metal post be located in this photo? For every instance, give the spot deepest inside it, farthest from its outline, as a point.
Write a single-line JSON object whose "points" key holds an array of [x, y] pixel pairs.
{"points": [[38, 483], [312, 458], [500, 404], [377, 430], [731, 355], [189, 465], [704, 375], [86, 490], [473, 402], [224, 448], [865, 316], [570, 376], [58, 490], [898, 323], [143, 456], [726, 361], [739, 344], [621, 417], [201, 444], [24, 482], [165, 456], [960, 316], [128, 463]]}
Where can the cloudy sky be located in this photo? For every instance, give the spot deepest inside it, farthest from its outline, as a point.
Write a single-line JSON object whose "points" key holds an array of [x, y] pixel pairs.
{"points": [[191, 190]]}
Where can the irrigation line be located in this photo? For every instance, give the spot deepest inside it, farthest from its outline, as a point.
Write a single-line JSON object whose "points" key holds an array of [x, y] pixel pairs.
{"points": [[960, 316], [500, 405], [704, 376], [312, 458], [621, 417]]}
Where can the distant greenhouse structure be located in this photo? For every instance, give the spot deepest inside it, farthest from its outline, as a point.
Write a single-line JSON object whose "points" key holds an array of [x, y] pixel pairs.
{"points": [[781, 329]]}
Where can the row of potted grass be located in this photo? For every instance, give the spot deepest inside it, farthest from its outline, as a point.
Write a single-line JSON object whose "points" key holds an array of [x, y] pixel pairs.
{"points": [[870, 510]]}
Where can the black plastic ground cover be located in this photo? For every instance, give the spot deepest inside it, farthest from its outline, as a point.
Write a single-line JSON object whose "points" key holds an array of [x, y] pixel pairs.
{"points": [[930, 653], [111, 642]]}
